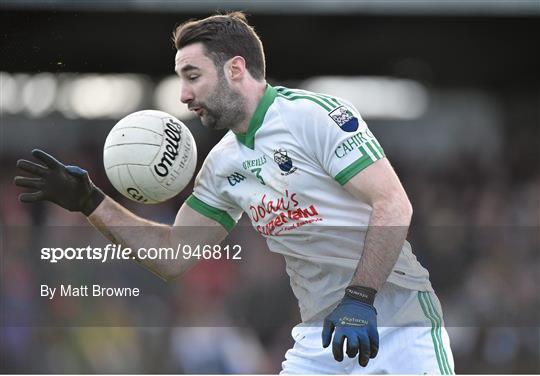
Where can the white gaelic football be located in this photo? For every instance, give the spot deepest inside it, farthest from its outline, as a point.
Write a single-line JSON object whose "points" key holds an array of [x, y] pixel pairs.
{"points": [[150, 156]]}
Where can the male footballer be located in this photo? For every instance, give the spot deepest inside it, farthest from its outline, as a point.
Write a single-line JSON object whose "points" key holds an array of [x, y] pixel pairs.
{"points": [[314, 182]]}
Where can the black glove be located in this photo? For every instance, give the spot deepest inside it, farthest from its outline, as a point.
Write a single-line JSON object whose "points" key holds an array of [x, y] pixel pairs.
{"points": [[68, 186]]}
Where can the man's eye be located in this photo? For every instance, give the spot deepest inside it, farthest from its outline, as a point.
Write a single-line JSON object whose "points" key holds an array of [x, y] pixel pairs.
{"points": [[193, 77]]}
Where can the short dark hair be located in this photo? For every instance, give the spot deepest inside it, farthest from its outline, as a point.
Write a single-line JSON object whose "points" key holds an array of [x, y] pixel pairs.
{"points": [[224, 36]]}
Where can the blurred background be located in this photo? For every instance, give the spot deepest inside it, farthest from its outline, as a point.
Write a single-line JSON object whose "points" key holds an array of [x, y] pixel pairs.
{"points": [[450, 89]]}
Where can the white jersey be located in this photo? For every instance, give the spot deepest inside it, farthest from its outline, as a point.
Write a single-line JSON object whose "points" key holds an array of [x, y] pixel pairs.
{"points": [[286, 172]]}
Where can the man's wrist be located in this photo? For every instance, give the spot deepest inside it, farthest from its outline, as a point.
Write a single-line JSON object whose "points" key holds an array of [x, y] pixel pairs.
{"points": [[361, 293], [93, 201]]}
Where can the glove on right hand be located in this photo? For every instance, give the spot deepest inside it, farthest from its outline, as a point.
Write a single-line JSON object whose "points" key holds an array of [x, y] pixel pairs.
{"points": [[67, 186]]}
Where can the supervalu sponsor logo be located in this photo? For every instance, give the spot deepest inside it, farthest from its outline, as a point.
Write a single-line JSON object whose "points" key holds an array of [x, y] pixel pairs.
{"points": [[274, 216]]}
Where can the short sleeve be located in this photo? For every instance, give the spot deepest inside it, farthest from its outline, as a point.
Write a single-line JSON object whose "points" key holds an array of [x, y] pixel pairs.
{"points": [[207, 200], [338, 138]]}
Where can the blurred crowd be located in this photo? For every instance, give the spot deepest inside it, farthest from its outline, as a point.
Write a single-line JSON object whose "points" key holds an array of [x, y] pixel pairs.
{"points": [[475, 227]]}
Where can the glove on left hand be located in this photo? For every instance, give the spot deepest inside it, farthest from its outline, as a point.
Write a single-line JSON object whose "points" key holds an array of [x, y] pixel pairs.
{"points": [[356, 320]]}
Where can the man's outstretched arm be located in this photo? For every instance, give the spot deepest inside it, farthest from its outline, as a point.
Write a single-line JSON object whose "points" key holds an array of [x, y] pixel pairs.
{"points": [[71, 188], [190, 227]]}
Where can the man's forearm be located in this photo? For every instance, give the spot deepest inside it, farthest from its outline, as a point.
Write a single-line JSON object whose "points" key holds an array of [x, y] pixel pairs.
{"points": [[385, 237], [117, 224], [70, 187], [121, 226]]}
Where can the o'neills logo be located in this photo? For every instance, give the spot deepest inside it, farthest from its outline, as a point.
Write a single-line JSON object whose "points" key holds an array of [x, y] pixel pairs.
{"points": [[173, 134]]}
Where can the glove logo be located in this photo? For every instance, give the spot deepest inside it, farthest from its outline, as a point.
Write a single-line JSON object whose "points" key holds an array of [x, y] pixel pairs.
{"points": [[345, 320]]}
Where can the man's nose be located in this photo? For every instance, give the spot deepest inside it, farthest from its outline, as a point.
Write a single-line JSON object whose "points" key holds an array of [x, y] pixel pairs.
{"points": [[186, 94]]}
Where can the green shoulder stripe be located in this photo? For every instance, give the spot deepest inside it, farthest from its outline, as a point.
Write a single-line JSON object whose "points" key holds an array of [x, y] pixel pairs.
{"points": [[324, 101], [332, 99], [294, 92], [218, 215], [313, 99]]}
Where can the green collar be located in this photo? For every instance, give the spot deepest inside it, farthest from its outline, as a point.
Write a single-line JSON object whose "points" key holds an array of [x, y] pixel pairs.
{"points": [[248, 138]]}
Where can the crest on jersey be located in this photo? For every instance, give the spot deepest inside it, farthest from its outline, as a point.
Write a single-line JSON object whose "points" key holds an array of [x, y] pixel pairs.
{"points": [[344, 118], [284, 162]]}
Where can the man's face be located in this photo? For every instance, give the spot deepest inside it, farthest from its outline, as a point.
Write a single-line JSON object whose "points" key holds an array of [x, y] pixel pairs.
{"points": [[206, 90]]}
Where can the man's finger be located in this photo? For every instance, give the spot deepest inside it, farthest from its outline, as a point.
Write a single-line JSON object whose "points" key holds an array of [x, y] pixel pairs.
{"points": [[32, 168], [76, 171], [23, 181], [337, 345], [31, 197], [374, 344], [328, 328], [352, 347], [48, 159], [363, 356]]}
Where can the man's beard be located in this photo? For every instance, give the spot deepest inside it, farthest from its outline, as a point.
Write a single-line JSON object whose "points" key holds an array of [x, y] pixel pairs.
{"points": [[224, 108]]}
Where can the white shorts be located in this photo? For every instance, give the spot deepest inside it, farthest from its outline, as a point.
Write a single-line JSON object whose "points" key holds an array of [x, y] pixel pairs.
{"points": [[412, 340]]}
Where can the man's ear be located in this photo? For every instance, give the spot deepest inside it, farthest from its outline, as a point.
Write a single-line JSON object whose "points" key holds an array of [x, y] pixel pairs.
{"points": [[236, 68]]}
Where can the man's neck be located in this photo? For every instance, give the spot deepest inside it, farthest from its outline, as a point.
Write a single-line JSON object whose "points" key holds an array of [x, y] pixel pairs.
{"points": [[254, 92]]}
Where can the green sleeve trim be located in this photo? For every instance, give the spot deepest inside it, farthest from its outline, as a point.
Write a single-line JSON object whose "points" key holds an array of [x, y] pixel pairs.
{"points": [[354, 168], [218, 215], [371, 152]]}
